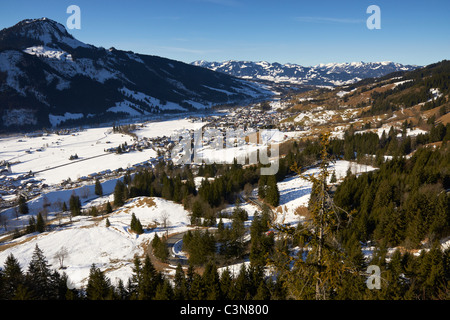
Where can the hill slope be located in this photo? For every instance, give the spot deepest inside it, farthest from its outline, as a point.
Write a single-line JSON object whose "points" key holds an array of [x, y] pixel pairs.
{"points": [[45, 72]]}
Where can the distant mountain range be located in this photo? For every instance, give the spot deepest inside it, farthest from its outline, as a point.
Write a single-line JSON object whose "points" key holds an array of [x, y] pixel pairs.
{"points": [[331, 74], [48, 77]]}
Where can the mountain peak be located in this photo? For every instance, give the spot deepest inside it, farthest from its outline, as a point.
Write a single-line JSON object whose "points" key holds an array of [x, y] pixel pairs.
{"points": [[328, 74], [42, 31]]}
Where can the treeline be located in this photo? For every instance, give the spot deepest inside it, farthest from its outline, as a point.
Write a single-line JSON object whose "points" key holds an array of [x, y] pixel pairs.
{"points": [[268, 190], [324, 257], [367, 147], [228, 244], [403, 275], [404, 203], [40, 282], [177, 184], [414, 91]]}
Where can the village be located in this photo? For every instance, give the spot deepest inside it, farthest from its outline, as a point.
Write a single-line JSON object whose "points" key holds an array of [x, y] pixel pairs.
{"points": [[30, 185]]}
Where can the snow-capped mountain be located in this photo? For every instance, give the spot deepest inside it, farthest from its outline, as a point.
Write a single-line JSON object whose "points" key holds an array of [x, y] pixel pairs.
{"points": [[331, 74], [47, 76]]}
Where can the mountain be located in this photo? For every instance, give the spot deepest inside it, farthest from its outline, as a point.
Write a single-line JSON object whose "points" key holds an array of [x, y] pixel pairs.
{"points": [[417, 99], [331, 74], [48, 77]]}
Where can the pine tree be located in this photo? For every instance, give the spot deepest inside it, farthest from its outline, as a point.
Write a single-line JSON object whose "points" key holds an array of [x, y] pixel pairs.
{"points": [[136, 225], [75, 205], [119, 194], [149, 280], [40, 223], [272, 192], [38, 276], [226, 284], [98, 188], [164, 291], [323, 266], [93, 211], [108, 207], [333, 177], [98, 286], [197, 291], [23, 206], [180, 289], [263, 292], [31, 225], [160, 249], [12, 277], [240, 288], [210, 279]]}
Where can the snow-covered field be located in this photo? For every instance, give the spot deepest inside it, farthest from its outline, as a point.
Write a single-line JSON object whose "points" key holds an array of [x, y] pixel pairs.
{"points": [[51, 151], [167, 128], [88, 241]]}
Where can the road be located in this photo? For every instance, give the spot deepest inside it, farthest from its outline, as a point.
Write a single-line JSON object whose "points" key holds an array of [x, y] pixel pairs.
{"points": [[171, 242]]}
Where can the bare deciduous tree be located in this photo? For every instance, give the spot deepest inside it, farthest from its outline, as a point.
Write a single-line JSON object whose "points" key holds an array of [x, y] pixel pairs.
{"points": [[164, 218], [61, 255]]}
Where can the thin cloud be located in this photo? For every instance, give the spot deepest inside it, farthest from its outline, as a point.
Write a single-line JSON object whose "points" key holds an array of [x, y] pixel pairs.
{"points": [[329, 20]]}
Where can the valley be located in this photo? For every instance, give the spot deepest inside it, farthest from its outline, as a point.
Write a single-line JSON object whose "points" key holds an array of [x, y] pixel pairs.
{"points": [[127, 176], [40, 170]]}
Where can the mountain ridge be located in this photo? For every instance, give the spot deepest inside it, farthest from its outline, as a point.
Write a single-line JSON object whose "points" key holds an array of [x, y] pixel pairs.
{"points": [[47, 74], [324, 74]]}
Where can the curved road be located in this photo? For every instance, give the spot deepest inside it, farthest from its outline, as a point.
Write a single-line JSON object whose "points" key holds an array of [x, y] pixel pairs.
{"points": [[171, 242]]}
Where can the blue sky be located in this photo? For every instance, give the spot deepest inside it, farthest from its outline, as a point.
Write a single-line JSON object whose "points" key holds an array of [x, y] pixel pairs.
{"points": [[302, 32]]}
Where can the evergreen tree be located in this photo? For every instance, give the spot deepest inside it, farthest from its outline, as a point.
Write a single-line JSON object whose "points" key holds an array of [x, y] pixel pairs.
{"points": [[263, 292], [98, 188], [135, 225], [319, 274], [23, 206], [164, 291], [272, 193], [210, 279], [38, 277], [180, 288], [149, 280], [75, 205], [108, 207], [40, 223], [31, 225], [160, 249], [196, 289], [333, 177], [119, 194], [241, 283], [12, 277], [98, 286], [226, 284]]}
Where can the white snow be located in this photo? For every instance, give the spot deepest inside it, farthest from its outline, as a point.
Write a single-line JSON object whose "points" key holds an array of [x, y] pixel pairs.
{"points": [[295, 192], [125, 106], [88, 241], [49, 53], [50, 151], [56, 120], [167, 128]]}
